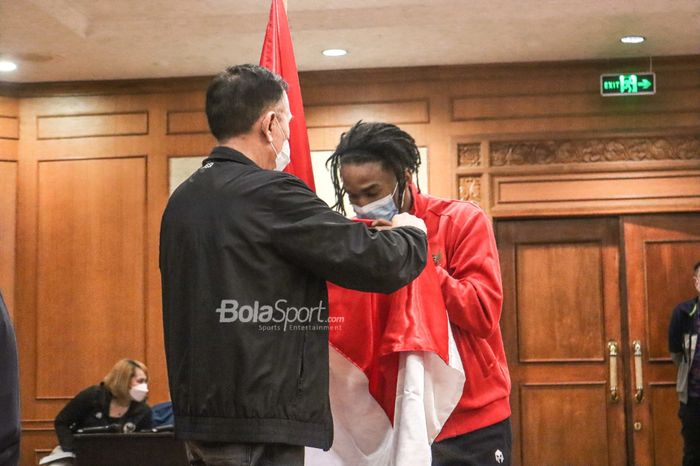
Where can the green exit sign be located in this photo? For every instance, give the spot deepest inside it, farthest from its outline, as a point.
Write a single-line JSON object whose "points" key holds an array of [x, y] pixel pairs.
{"points": [[612, 85]]}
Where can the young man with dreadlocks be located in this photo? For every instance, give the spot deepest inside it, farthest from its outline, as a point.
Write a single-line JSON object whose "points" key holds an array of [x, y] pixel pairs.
{"points": [[375, 163]]}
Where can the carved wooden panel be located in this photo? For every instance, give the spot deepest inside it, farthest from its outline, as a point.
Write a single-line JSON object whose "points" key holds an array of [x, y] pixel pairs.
{"points": [[416, 111], [78, 126], [668, 443], [595, 150], [549, 415], [9, 127], [8, 218], [90, 276], [560, 302], [668, 275], [187, 122], [470, 189], [469, 155]]}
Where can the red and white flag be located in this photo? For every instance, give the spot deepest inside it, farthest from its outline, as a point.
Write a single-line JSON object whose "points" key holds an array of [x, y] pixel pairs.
{"points": [[278, 57], [395, 374]]}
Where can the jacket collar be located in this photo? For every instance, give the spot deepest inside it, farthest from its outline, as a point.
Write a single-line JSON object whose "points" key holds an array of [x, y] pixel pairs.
{"points": [[226, 154], [420, 202], [693, 304]]}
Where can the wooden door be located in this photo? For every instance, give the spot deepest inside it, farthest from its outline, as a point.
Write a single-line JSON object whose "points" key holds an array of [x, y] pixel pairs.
{"points": [[660, 251], [561, 309]]}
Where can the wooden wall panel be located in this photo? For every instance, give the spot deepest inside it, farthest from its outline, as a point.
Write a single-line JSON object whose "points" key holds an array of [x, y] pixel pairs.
{"points": [[547, 409], [564, 194], [584, 187], [79, 126], [9, 127], [90, 279], [9, 121], [411, 112], [8, 211], [563, 104], [88, 287], [9, 135], [554, 316], [187, 122], [517, 153]]}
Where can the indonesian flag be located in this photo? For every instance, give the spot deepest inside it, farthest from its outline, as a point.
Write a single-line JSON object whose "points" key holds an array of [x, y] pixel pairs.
{"points": [[278, 57], [395, 374]]}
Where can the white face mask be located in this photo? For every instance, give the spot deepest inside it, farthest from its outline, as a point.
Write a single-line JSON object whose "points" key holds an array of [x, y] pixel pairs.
{"points": [[139, 392], [384, 208], [284, 156]]}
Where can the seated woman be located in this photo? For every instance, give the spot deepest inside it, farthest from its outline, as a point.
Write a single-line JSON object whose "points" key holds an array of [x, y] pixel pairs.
{"points": [[117, 402]]}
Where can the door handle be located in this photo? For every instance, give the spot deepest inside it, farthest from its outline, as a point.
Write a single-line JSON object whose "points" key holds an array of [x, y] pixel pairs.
{"points": [[638, 377], [612, 352]]}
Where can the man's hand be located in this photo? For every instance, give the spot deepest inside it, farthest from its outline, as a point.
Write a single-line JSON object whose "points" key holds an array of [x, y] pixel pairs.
{"points": [[381, 224], [407, 220]]}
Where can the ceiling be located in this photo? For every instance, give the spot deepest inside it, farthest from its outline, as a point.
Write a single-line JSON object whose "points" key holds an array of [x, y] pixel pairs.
{"points": [[68, 40]]}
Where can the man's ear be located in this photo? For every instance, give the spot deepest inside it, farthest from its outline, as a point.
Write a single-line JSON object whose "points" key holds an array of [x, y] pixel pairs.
{"points": [[266, 125]]}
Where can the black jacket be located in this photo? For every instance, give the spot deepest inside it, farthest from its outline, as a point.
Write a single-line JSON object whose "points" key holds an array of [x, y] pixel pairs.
{"points": [[682, 342], [680, 325], [9, 391], [244, 256], [90, 408]]}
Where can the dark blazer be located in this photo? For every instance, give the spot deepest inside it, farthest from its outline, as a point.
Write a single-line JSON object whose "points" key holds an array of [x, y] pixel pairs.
{"points": [[245, 254], [90, 408], [9, 391]]}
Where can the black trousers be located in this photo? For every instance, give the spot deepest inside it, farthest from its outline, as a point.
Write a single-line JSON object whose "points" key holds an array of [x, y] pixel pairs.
{"points": [[243, 454], [690, 422], [488, 446]]}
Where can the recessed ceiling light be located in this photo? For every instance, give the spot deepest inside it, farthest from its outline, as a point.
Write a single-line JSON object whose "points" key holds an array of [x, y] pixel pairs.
{"points": [[335, 52], [7, 66], [632, 39]]}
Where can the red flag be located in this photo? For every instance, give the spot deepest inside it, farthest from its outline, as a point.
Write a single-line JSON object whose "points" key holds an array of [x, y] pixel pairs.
{"points": [[278, 57], [395, 374]]}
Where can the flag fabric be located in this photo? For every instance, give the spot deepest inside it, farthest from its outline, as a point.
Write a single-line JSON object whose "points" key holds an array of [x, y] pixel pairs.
{"points": [[278, 57], [395, 374]]}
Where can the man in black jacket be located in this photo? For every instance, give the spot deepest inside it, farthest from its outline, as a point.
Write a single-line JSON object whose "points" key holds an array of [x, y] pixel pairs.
{"points": [[9, 391], [245, 254]]}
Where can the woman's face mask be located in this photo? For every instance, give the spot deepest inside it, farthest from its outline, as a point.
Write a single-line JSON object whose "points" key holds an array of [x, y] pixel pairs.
{"points": [[384, 208], [139, 392]]}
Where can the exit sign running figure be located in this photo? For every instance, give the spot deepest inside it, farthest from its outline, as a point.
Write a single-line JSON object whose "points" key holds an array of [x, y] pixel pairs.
{"points": [[615, 85]]}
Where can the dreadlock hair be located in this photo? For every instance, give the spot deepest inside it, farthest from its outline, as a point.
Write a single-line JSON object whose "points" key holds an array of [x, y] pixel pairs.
{"points": [[385, 143]]}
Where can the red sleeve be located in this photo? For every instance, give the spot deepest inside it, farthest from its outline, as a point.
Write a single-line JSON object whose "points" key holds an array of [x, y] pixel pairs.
{"points": [[471, 285]]}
